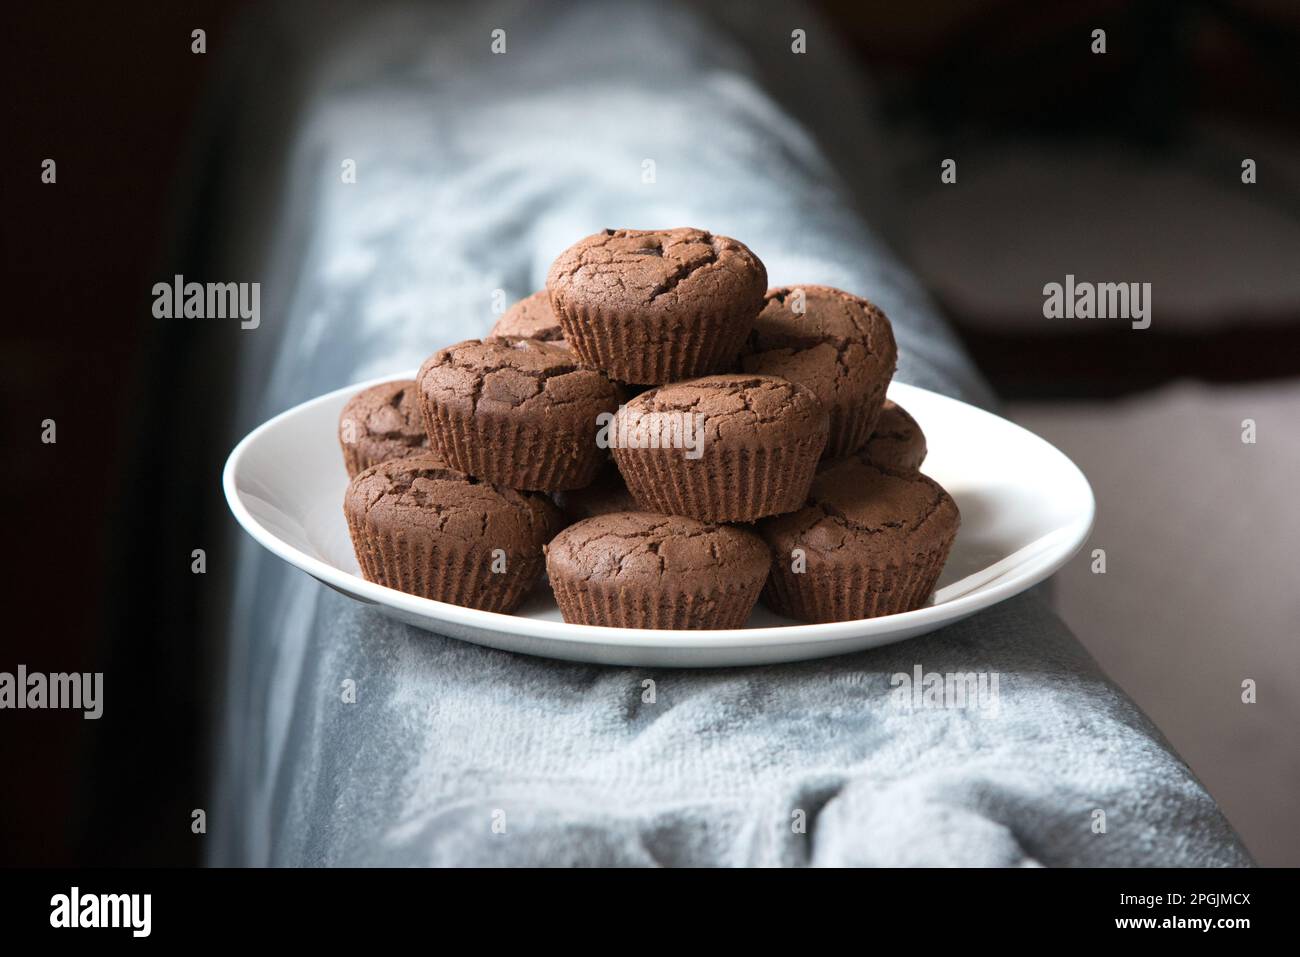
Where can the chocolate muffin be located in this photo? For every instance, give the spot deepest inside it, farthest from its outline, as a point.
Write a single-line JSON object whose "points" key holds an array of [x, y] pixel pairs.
{"points": [[724, 448], [868, 543], [897, 444], [381, 423], [652, 306], [431, 531], [840, 346], [530, 318], [517, 412], [642, 570], [608, 493]]}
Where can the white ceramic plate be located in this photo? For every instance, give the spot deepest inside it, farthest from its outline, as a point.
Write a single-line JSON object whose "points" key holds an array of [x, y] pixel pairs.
{"points": [[1025, 509]]}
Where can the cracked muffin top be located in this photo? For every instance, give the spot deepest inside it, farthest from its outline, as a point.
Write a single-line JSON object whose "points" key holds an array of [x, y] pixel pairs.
{"points": [[380, 423], [657, 270], [530, 318], [421, 496], [857, 511], [898, 444], [738, 410], [840, 345], [513, 376], [651, 549]]}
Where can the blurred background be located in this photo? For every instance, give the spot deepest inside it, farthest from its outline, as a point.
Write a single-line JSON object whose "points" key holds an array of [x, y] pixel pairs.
{"points": [[1125, 166]]}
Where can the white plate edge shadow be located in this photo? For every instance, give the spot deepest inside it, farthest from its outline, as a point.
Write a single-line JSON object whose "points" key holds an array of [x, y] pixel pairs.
{"points": [[1011, 575]]}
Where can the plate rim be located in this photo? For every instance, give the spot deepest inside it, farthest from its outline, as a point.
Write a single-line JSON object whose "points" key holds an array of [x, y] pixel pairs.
{"points": [[1012, 583]]}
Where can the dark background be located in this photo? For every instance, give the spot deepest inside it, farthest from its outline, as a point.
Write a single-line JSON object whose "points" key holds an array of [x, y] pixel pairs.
{"points": [[102, 523]]}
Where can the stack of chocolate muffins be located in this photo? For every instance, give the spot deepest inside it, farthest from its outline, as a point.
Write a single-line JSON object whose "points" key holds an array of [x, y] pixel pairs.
{"points": [[763, 459]]}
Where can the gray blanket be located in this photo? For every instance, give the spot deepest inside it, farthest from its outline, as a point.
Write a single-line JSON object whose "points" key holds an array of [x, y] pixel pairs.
{"points": [[473, 169]]}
